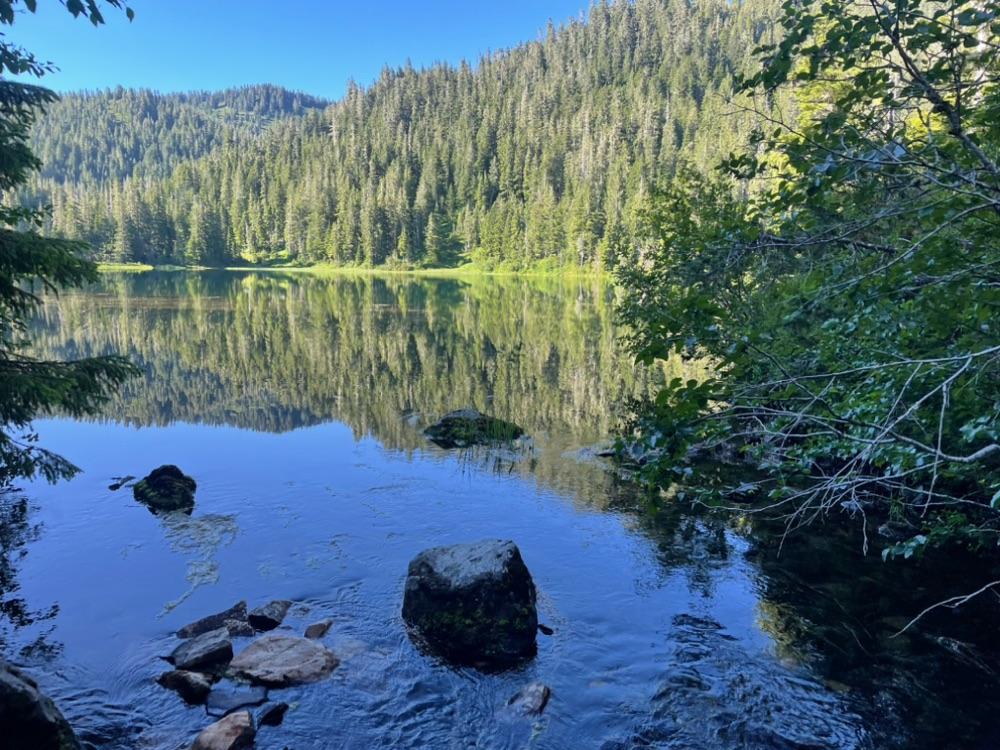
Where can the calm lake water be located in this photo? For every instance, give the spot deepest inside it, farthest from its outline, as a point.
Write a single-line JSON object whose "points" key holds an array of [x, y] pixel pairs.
{"points": [[297, 403]]}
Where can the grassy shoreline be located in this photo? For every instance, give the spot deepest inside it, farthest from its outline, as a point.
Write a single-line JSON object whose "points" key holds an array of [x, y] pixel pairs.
{"points": [[124, 267], [326, 269]]}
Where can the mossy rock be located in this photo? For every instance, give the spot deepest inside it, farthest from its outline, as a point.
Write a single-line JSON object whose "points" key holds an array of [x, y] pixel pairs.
{"points": [[473, 604], [165, 490], [468, 427]]}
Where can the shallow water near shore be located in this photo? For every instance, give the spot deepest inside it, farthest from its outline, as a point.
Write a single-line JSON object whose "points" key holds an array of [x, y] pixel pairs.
{"points": [[298, 403]]}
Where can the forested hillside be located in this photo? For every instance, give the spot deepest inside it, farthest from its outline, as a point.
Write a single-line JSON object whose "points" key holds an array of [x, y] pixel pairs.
{"points": [[113, 135], [536, 154]]}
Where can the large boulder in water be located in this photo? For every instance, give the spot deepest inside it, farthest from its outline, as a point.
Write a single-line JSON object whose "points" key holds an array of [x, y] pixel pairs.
{"points": [[466, 427], [473, 604], [28, 718], [166, 489]]}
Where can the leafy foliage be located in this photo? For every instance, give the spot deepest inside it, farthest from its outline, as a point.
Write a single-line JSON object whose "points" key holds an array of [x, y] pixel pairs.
{"points": [[841, 276], [30, 262]]}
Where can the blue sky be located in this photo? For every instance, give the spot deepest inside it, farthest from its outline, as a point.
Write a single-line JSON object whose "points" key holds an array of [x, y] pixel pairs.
{"points": [[310, 45]]}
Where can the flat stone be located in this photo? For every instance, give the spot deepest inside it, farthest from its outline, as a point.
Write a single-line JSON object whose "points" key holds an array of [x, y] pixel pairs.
{"points": [[213, 622], [270, 615], [272, 714], [226, 698], [234, 732], [281, 660], [206, 650], [239, 628], [319, 629], [28, 718], [193, 687], [531, 699]]}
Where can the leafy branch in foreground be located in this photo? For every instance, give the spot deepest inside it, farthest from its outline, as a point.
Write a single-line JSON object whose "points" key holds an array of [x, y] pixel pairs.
{"points": [[30, 264], [843, 278]]}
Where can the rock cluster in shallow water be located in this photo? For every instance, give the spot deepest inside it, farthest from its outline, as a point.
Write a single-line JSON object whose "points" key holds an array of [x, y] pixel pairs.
{"points": [[207, 672]]}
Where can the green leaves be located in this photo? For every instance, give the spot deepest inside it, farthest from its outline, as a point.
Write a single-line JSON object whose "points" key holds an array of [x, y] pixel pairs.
{"points": [[850, 272], [31, 262]]}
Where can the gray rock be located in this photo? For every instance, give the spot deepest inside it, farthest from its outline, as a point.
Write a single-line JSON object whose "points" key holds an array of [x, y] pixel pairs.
{"points": [[272, 714], [319, 629], [206, 650], [165, 490], [282, 660], [239, 628], [473, 604], [226, 698], [234, 732], [465, 427], [270, 615], [531, 699], [28, 718], [193, 687], [213, 622]]}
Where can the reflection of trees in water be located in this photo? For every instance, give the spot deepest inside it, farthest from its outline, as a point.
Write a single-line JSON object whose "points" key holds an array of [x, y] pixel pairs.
{"points": [[16, 532], [831, 614], [836, 611], [276, 352]]}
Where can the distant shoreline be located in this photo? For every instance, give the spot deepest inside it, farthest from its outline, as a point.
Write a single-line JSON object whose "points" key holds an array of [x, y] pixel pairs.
{"points": [[334, 270]]}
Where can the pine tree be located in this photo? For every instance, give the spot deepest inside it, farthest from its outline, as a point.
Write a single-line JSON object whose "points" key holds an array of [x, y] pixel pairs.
{"points": [[30, 262]]}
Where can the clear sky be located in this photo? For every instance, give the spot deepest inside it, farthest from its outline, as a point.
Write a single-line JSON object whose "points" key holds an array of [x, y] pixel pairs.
{"points": [[310, 45]]}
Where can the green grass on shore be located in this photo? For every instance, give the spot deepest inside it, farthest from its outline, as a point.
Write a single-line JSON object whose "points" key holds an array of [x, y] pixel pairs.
{"points": [[124, 267]]}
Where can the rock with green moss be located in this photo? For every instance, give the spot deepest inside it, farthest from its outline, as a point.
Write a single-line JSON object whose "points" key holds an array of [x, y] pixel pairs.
{"points": [[30, 719], [467, 427], [473, 604], [165, 490]]}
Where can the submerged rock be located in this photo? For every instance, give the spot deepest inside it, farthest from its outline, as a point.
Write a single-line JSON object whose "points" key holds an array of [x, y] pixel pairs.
{"points": [[28, 718], [282, 660], [213, 622], [165, 490], [203, 651], [270, 615], [226, 698], [466, 427], [272, 714], [473, 603], [193, 687], [234, 732], [319, 629], [531, 699]]}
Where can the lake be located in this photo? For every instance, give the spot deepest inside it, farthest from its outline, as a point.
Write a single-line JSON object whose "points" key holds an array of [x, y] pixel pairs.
{"points": [[298, 403]]}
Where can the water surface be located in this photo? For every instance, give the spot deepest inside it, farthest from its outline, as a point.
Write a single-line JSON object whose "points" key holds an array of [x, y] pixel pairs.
{"points": [[297, 403]]}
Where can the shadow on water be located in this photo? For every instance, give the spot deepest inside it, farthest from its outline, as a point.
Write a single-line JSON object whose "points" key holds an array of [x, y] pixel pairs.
{"points": [[298, 403], [33, 624]]}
